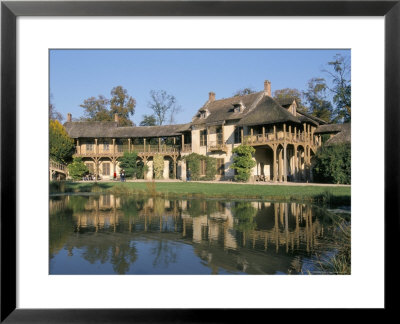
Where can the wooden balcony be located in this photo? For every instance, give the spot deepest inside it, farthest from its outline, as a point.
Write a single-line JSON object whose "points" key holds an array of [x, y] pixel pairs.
{"points": [[217, 146], [139, 149], [187, 148], [261, 139]]}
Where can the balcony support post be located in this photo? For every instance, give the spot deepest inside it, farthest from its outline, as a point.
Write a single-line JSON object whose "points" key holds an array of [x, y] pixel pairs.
{"points": [[285, 162]]}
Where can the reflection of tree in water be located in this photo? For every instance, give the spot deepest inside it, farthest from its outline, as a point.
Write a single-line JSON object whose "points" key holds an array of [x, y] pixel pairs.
{"points": [[60, 226], [103, 248], [165, 253], [244, 214]]}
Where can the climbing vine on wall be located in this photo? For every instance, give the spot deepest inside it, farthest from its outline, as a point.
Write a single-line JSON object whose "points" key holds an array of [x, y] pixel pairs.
{"points": [[158, 165], [194, 162]]}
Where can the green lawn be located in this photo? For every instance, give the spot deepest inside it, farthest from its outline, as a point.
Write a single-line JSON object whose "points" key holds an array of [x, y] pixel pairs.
{"points": [[320, 194]]}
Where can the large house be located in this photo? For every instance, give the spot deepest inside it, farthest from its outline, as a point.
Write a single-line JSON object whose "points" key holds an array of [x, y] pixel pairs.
{"points": [[285, 139]]}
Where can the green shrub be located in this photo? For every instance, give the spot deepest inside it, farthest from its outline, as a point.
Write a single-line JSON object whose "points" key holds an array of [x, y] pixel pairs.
{"points": [[193, 163], [158, 166], [77, 169], [243, 162], [332, 164], [128, 163]]}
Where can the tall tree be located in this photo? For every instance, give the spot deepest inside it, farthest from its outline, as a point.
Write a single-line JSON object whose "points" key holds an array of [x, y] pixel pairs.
{"points": [[316, 99], [289, 94], [148, 120], [243, 92], [103, 109], [163, 104], [122, 104], [54, 114], [61, 146], [340, 72], [96, 109]]}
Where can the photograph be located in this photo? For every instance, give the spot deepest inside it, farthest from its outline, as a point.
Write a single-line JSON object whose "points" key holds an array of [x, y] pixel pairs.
{"points": [[199, 161]]}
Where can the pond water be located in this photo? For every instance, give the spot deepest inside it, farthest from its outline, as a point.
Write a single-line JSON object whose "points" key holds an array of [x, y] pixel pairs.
{"points": [[110, 234]]}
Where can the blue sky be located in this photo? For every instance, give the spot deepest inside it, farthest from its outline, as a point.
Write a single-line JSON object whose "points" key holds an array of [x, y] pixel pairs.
{"points": [[189, 75]]}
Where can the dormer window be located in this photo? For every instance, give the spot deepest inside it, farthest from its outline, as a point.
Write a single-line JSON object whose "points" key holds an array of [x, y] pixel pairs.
{"points": [[204, 113], [238, 107]]}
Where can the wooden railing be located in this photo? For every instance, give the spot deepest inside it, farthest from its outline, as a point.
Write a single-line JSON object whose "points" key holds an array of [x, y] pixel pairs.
{"points": [[121, 149], [268, 137], [216, 146], [187, 148], [57, 166]]}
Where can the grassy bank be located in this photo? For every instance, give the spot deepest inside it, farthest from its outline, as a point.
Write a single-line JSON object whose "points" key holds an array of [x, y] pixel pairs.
{"points": [[317, 194]]}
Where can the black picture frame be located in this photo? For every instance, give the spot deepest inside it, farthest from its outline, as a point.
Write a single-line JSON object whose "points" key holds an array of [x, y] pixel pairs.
{"points": [[11, 10]]}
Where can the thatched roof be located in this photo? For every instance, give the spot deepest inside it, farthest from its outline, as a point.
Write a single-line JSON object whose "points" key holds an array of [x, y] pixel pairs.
{"points": [[112, 130], [268, 111], [344, 136], [331, 128], [221, 110], [310, 118], [285, 102]]}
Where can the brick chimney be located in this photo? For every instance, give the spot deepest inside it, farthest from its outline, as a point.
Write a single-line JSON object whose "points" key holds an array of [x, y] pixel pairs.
{"points": [[69, 117], [267, 87], [116, 118], [211, 96]]}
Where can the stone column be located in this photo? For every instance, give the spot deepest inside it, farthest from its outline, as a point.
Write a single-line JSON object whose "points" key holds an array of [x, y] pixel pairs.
{"points": [[149, 175], [183, 170], [174, 172], [166, 170], [274, 168]]}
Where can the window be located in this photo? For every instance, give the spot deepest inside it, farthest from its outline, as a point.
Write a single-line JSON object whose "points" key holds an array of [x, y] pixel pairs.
{"points": [[219, 136], [106, 168], [202, 167], [89, 147], [106, 146], [220, 167], [203, 137], [238, 135]]}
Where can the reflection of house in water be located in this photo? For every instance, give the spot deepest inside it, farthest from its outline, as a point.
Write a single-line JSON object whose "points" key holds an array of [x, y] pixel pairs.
{"points": [[244, 236], [228, 224]]}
